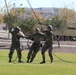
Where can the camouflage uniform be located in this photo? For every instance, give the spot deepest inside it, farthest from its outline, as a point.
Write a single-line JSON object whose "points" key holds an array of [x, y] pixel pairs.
{"points": [[47, 45], [36, 37], [16, 35]]}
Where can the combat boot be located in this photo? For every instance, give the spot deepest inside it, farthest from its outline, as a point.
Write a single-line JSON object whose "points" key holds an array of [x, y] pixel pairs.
{"points": [[31, 61], [27, 61], [9, 61], [52, 60], [42, 62], [20, 61]]}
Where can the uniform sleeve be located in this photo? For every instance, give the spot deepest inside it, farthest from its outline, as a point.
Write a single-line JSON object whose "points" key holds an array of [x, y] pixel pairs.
{"points": [[21, 34], [29, 37], [11, 30], [42, 35]]}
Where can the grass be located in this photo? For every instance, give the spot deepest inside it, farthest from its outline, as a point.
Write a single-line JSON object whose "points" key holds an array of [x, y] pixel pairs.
{"points": [[57, 68]]}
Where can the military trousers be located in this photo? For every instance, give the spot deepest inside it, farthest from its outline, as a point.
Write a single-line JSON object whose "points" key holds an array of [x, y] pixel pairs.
{"points": [[17, 48]]}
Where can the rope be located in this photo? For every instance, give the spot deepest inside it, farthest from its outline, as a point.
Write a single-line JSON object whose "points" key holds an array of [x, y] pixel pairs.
{"points": [[14, 59], [34, 13], [41, 27], [33, 10], [63, 59]]}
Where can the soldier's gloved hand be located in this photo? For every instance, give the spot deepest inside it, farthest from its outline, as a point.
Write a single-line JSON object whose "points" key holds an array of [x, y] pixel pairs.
{"points": [[40, 23], [40, 45], [25, 36]]}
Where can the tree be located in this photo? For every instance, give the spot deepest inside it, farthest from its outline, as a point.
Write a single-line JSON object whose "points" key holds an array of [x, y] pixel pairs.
{"points": [[27, 25], [10, 20], [56, 22], [1, 18], [67, 14], [47, 22], [37, 16]]}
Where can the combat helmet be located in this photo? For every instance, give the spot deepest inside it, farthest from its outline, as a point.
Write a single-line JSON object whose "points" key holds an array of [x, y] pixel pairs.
{"points": [[50, 27], [37, 30], [18, 28]]}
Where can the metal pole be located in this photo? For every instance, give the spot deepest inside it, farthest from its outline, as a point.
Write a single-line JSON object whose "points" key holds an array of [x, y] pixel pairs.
{"points": [[9, 17], [6, 6]]}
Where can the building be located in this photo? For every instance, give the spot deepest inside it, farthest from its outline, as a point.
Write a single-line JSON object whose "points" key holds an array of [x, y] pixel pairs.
{"points": [[3, 26]]}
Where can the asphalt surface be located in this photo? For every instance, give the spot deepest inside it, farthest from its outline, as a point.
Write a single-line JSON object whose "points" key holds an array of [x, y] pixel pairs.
{"points": [[65, 46]]}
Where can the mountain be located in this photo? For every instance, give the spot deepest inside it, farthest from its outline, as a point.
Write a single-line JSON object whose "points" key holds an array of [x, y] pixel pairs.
{"points": [[45, 12]]}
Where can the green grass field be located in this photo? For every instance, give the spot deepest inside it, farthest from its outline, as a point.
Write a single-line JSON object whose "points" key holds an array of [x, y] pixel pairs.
{"points": [[57, 68]]}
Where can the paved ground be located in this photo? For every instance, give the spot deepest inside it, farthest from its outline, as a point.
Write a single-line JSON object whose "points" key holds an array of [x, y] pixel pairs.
{"points": [[65, 46]]}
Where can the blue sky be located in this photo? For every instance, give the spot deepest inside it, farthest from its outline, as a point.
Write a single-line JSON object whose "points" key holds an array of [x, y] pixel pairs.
{"points": [[42, 3]]}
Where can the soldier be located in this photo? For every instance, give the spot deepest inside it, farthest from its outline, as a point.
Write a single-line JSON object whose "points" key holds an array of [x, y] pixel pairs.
{"points": [[48, 44], [16, 35], [36, 37]]}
